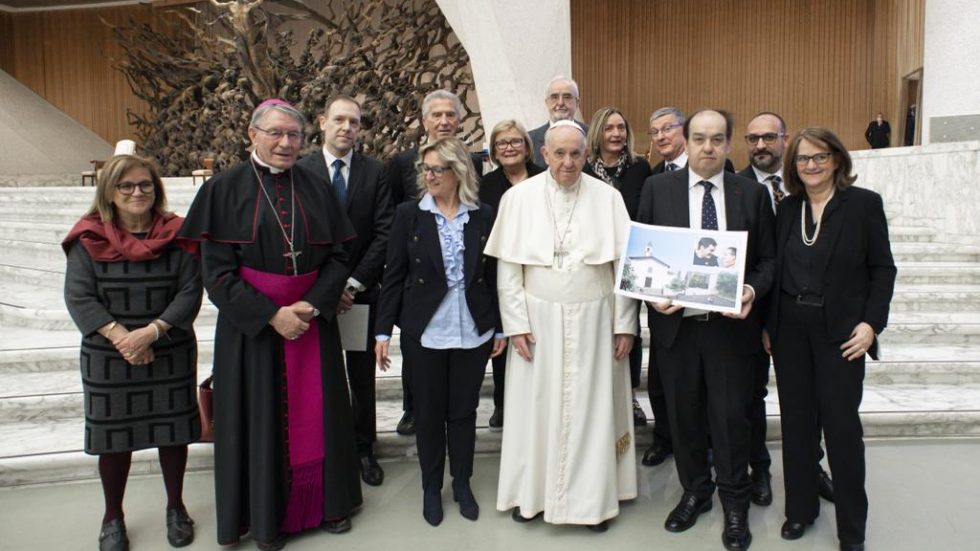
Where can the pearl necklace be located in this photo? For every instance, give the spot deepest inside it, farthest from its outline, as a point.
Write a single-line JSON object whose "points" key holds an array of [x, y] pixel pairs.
{"points": [[809, 241]]}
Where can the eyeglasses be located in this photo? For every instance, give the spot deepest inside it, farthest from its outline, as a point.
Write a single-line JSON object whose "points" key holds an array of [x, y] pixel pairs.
{"points": [[277, 135], [654, 131], [513, 143], [819, 158], [768, 137], [437, 170], [564, 97], [127, 188]]}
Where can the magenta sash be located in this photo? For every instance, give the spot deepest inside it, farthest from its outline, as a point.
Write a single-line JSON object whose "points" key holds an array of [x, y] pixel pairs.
{"points": [[304, 402]]}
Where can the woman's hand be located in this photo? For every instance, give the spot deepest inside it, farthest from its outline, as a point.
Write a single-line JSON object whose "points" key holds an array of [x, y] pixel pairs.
{"points": [[862, 337], [134, 345], [499, 345], [381, 355], [624, 344], [288, 324], [523, 345]]}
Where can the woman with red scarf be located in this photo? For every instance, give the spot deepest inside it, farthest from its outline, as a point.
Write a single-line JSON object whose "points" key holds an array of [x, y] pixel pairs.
{"points": [[134, 294]]}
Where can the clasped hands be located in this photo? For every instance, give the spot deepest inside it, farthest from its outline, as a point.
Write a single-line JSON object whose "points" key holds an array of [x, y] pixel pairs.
{"points": [[292, 321], [136, 346]]}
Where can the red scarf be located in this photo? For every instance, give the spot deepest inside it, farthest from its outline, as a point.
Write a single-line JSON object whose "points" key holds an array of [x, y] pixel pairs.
{"points": [[107, 242]]}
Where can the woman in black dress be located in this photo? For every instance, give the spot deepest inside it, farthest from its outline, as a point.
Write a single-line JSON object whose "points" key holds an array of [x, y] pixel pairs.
{"points": [[510, 150], [834, 282], [134, 295], [612, 160]]}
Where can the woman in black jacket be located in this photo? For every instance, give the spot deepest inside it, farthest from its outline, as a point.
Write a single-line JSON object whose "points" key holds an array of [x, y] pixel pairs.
{"points": [[834, 282], [440, 290]]}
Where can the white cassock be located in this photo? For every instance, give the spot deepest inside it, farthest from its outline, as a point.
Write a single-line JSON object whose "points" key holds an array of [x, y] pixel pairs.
{"points": [[568, 446]]}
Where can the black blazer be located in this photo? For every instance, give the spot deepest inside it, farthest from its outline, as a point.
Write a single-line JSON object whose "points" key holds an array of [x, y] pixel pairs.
{"points": [[631, 183], [414, 282], [859, 278], [494, 184], [402, 179], [369, 209], [747, 208]]}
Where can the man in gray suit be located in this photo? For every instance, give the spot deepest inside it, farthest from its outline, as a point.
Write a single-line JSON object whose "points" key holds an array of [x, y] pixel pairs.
{"points": [[562, 100]]}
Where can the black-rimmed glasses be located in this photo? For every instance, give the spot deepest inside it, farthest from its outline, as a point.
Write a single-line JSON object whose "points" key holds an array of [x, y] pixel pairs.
{"points": [[127, 188], [768, 137]]}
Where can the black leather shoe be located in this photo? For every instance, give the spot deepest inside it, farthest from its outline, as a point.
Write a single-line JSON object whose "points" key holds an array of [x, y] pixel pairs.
{"points": [[497, 419], [826, 486], [515, 514], [462, 494], [338, 526], [432, 506], [639, 418], [686, 513], [852, 547], [371, 472], [406, 426], [761, 487], [274, 545], [113, 536], [180, 527], [736, 536], [655, 455], [599, 528], [793, 530]]}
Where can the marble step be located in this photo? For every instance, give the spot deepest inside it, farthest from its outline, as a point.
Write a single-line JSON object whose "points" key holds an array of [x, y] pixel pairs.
{"points": [[53, 395], [51, 451], [921, 273], [932, 328], [903, 233], [936, 297]]}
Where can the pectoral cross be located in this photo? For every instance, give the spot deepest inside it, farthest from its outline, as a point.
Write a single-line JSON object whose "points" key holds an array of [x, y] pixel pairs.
{"points": [[291, 255], [560, 254]]}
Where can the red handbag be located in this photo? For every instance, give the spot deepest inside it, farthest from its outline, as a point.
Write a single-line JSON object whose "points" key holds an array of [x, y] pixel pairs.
{"points": [[205, 402]]}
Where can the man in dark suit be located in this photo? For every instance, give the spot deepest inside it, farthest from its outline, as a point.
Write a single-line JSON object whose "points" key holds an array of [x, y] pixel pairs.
{"points": [[562, 100], [766, 136], [362, 191], [705, 359], [879, 132], [442, 113]]}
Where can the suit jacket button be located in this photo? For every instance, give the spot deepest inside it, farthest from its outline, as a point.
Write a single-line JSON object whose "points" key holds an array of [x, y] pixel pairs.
{"points": [[415, 238], [418, 260], [479, 280], [421, 281], [483, 238]]}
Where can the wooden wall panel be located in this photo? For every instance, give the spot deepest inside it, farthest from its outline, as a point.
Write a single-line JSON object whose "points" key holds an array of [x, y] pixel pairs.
{"points": [[6, 42], [66, 57], [818, 63]]}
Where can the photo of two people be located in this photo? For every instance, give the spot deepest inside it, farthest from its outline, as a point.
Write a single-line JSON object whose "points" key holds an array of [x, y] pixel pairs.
{"points": [[700, 269]]}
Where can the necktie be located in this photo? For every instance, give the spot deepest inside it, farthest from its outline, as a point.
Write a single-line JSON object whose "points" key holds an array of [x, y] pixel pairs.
{"points": [[339, 185], [777, 194], [709, 216], [670, 167]]}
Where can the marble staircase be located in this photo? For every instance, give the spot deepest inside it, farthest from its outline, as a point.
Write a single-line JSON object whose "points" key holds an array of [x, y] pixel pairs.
{"points": [[927, 383]]}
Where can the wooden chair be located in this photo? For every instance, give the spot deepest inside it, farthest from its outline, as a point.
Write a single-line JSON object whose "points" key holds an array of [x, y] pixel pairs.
{"points": [[203, 173], [92, 175]]}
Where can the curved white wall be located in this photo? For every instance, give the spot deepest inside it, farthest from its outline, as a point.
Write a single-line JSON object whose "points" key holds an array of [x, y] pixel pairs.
{"points": [[951, 72]]}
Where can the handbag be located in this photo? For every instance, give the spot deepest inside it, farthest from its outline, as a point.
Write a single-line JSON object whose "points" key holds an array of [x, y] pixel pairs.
{"points": [[205, 403]]}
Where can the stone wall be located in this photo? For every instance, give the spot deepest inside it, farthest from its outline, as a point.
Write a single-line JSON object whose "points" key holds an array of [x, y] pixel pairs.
{"points": [[935, 185]]}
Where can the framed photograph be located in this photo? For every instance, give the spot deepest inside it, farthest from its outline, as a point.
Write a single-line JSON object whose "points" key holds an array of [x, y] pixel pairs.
{"points": [[700, 269]]}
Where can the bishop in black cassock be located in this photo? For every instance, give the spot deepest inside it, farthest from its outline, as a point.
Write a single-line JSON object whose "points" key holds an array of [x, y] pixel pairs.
{"points": [[284, 455]]}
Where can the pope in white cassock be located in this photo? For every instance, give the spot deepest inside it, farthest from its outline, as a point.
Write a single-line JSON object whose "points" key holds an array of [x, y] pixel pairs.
{"points": [[568, 451]]}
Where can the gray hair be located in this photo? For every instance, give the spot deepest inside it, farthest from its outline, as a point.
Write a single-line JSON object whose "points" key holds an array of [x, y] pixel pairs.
{"points": [[664, 111], [288, 110], [562, 78], [442, 94], [452, 152]]}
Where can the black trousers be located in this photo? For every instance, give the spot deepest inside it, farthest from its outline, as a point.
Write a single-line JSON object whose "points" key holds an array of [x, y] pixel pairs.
{"points": [[658, 402], [499, 376], [636, 354], [759, 458], [361, 377], [408, 401], [813, 378], [708, 386], [446, 386]]}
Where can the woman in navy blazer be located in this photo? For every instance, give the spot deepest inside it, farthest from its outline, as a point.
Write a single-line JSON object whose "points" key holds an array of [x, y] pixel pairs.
{"points": [[834, 282], [440, 290]]}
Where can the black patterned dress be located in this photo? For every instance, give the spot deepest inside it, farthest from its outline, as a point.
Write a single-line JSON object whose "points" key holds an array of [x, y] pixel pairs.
{"points": [[135, 407]]}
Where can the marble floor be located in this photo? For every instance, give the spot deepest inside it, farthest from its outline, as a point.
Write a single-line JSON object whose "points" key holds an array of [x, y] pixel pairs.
{"points": [[922, 493]]}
